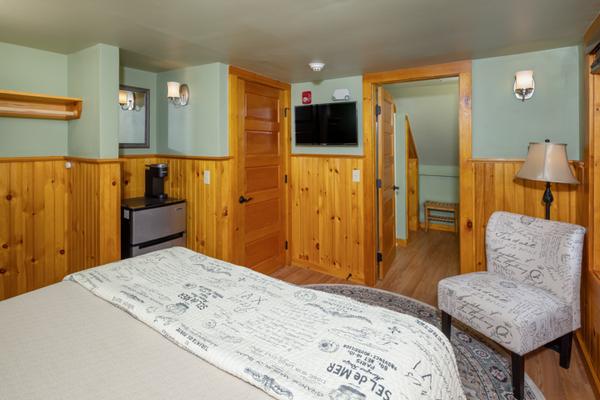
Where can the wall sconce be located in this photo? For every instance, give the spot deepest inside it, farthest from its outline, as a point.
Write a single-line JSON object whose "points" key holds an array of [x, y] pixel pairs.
{"points": [[178, 94], [126, 100], [524, 85], [129, 102]]}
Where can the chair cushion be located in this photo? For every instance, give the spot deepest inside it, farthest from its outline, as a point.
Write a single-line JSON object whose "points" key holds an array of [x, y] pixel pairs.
{"points": [[517, 316]]}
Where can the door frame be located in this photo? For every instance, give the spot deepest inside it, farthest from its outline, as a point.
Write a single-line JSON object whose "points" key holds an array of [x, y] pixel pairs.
{"points": [[235, 120], [462, 70]]}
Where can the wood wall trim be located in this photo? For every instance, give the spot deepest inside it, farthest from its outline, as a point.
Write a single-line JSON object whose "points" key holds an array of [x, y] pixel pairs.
{"points": [[93, 160], [254, 77], [419, 73], [31, 159], [589, 207], [401, 242], [592, 35], [587, 358], [513, 160], [326, 271], [327, 155], [462, 70], [176, 156]]}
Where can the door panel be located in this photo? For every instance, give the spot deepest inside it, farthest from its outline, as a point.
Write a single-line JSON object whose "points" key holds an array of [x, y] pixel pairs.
{"points": [[386, 172], [261, 177]]}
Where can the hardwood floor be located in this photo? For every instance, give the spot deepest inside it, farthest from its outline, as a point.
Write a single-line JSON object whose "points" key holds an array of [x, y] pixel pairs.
{"points": [[416, 271]]}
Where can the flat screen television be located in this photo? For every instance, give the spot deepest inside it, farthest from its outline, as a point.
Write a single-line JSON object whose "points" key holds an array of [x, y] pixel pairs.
{"points": [[326, 124]]}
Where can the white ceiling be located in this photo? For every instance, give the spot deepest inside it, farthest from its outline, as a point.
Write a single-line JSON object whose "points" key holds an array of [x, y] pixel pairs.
{"points": [[279, 37]]}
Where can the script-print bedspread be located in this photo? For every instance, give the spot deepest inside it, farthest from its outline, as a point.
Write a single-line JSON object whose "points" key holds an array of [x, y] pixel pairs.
{"points": [[291, 342]]}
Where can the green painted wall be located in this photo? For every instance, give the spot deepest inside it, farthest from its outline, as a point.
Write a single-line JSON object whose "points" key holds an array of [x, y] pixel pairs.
{"points": [[94, 77], [200, 128], [146, 80], [503, 125], [37, 71], [432, 108], [321, 93], [437, 183]]}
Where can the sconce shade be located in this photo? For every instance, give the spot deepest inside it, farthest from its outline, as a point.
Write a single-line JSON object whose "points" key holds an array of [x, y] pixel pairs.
{"points": [[173, 90], [524, 80], [122, 97], [547, 162]]}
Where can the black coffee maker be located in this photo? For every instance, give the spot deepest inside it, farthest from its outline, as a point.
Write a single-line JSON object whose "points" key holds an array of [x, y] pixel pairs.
{"points": [[155, 181]]}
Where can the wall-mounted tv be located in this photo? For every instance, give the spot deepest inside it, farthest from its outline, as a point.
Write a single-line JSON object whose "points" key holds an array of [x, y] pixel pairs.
{"points": [[331, 124]]}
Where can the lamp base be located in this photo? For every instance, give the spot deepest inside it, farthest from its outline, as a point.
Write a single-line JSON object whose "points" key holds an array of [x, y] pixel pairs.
{"points": [[548, 199]]}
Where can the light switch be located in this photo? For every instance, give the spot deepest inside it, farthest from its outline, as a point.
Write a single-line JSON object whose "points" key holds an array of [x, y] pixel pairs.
{"points": [[207, 177], [356, 175]]}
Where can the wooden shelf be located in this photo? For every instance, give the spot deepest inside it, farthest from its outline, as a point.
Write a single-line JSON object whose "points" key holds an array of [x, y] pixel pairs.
{"points": [[32, 105]]}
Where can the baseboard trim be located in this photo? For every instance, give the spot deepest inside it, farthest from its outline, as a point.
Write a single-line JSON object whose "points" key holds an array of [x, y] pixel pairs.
{"points": [[401, 242], [322, 270], [178, 156], [589, 366], [438, 227]]}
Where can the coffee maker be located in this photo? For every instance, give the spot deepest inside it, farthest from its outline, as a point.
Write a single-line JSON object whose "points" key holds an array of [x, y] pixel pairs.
{"points": [[155, 181]]}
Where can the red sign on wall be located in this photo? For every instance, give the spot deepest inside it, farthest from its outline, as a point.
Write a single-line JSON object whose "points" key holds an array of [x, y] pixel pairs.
{"points": [[307, 97]]}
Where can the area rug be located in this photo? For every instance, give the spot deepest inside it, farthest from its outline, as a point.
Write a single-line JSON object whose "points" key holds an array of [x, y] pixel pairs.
{"points": [[484, 369]]}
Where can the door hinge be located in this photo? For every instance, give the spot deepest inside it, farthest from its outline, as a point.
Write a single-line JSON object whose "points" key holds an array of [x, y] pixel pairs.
{"points": [[377, 110], [286, 245], [378, 183], [285, 178], [285, 112], [379, 257]]}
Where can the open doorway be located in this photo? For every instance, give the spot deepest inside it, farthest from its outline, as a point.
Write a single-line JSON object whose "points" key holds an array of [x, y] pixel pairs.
{"points": [[431, 148], [427, 157]]}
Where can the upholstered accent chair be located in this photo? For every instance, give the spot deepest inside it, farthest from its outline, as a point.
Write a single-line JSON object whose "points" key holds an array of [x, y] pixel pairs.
{"points": [[529, 295]]}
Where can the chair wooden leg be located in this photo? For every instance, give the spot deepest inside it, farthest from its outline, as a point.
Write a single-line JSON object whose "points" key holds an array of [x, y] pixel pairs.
{"points": [[518, 375], [565, 350], [447, 324]]}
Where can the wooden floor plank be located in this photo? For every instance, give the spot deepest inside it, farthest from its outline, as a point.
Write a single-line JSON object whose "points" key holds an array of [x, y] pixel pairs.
{"points": [[418, 268]]}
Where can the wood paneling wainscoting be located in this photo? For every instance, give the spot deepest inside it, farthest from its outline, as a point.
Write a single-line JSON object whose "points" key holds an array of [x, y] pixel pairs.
{"points": [[50, 222], [497, 189], [328, 215], [209, 206], [95, 203]]}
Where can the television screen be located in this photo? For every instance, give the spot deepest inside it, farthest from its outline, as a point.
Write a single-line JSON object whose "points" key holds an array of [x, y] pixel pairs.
{"points": [[326, 124]]}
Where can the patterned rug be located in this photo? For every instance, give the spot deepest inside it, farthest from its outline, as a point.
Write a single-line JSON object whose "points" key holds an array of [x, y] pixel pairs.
{"points": [[484, 368]]}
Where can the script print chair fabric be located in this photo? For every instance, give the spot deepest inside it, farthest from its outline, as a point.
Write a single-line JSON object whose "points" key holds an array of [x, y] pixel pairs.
{"points": [[529, 297]]}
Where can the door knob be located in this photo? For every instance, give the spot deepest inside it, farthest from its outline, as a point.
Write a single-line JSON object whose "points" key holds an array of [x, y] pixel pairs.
{"points": [[244, 199]]}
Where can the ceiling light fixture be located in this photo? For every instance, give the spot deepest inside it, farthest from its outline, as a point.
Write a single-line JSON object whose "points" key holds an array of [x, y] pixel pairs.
{"points": [[178, 93], [316, 66]]}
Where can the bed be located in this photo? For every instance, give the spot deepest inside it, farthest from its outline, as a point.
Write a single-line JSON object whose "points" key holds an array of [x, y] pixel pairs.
{"points": [[175, 324]]}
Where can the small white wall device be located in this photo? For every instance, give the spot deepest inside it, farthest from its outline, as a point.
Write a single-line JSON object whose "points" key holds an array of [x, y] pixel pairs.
{"points": [[341, 95]]}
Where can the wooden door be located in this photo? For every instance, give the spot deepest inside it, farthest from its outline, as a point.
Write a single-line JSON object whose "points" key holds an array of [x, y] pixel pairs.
{"points": [[387, 193], [261, 177]]}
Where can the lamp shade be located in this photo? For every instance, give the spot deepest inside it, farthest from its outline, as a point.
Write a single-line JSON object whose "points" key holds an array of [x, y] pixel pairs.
{"points": [[547, 162], [173, 90], [122, 97], [524, 80]]}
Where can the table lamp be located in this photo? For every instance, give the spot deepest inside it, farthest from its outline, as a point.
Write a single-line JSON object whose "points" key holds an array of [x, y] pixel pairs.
{"points": [[547, 162]]}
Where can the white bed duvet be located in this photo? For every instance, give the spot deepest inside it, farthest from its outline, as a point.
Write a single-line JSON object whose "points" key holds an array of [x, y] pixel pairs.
{"points": [[292, 343]]}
